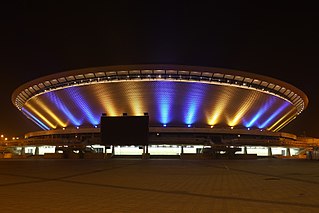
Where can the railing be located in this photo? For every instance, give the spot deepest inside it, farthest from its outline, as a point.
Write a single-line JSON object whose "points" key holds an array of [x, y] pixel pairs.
{"points": [[161, 140]]}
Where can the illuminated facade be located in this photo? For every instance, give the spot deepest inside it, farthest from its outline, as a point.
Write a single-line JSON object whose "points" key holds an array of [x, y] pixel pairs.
{"points": [[174, 96]]}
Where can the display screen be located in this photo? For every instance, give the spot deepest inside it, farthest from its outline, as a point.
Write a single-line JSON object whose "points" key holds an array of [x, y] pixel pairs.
{"points": [[124, 130]]}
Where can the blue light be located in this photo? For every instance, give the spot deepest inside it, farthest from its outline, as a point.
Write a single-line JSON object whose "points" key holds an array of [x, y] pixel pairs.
{"points": [[273, 115], [190, 115], [255, 118], [35, 120], [262, 110], [165, 98], [193, 102], [83, 105], [61, 106]]}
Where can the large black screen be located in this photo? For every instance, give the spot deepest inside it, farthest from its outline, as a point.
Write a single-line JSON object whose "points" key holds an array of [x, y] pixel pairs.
{"points": [[124, 130]]}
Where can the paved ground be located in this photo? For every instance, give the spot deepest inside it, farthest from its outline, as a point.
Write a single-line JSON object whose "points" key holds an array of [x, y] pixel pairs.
{"points": [[159, 185]]}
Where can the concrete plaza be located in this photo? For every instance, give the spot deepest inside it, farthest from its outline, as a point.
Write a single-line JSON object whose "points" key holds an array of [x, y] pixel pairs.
{"points": [[159, 185]]}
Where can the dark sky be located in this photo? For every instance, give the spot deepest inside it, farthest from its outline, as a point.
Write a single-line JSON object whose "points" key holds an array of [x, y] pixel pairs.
{"points": [[44, 37]]}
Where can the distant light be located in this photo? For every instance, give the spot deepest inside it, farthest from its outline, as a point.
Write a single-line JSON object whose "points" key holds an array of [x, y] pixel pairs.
{"points": [[211, 126], [164, 125], [248, 128], [157, 134], [189, 125], [95, 126], [78, 127], [63, 128], [231, 127], [238, 136]]}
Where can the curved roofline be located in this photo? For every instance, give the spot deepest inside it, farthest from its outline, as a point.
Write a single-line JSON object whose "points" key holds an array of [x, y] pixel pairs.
{"points": [[194, 69]]}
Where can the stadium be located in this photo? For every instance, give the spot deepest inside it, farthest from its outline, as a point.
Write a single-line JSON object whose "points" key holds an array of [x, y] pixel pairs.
{"points": [[189, 108]]}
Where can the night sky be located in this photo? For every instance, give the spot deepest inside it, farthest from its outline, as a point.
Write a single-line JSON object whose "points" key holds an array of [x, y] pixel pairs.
{"points": [[276, 40]]}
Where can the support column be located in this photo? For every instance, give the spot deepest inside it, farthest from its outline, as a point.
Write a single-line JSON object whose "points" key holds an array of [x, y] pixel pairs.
{"points": [[36, 151], [113, 150], [23, 150], [269, 152], [288, 152], [245, 150], [145, 154], [182, 150]]}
